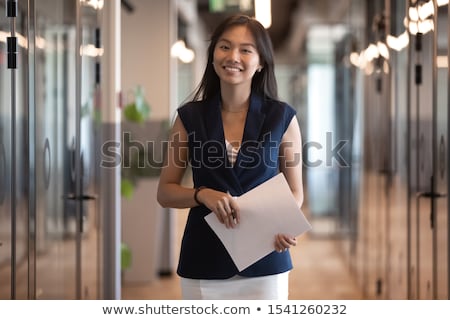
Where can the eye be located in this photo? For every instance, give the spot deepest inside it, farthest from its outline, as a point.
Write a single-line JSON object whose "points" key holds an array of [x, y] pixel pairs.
{"points": [[248, 50], [224, 47]]}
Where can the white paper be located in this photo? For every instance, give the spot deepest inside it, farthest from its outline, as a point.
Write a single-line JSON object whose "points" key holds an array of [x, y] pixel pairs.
{"points": [[265, 211]]}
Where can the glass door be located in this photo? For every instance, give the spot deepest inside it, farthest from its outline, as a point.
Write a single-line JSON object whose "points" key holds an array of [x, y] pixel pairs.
{"points": [[440, 152], [55, 143], [5, 160], [14, 161], [67, 141], [90, 128], [422, 223], [50, 150]]}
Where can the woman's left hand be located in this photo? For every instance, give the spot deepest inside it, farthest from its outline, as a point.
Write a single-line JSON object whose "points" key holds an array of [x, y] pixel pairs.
{"points": [[284, 242]]}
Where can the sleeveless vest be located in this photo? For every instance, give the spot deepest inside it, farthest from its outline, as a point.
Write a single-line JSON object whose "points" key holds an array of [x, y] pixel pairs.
{"points": [[202, 254]]}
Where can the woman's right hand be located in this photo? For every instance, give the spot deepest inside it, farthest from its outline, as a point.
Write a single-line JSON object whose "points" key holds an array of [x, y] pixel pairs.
{"points": [[222, 204]]}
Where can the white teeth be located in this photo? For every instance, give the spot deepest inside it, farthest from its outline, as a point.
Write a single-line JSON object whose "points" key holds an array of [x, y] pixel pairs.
{"points": [[232, 69]]}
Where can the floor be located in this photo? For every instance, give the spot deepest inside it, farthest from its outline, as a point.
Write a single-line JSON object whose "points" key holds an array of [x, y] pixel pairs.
{"points": [[319, 274]]}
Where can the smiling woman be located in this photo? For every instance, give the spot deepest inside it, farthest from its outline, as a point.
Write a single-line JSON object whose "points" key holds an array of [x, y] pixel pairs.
{"points": [[234, 121]]}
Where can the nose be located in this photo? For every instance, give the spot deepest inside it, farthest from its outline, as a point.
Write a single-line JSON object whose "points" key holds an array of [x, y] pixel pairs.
{"points": [[234, 55]]}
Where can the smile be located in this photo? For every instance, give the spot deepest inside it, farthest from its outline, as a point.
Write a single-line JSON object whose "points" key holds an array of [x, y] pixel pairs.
{"points": [[233, 69]]}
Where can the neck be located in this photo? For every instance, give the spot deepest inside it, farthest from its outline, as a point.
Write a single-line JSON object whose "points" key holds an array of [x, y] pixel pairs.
{"points": [[235, 106], [234, 101], [232, 110]]}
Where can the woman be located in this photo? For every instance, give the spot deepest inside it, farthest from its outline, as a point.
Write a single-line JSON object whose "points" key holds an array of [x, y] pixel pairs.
{"points": [[235, 134]]}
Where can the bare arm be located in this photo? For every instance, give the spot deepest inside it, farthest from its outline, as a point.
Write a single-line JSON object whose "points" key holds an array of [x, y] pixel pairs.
{"points": [[170, 191], [291, 166], [291, 159]]}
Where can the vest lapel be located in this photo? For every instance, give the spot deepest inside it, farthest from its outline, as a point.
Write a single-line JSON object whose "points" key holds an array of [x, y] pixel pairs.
{"points": [[252, 130], [213, 121], [214, 132]]}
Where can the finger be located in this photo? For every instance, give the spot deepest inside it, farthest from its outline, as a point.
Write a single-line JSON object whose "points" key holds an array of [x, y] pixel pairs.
{"points": [[225, 215], [291, 240], [232, 210], [294, 241], [235, 210], [219, 217], [229, 212], [234, 217], [284, 242], [230, 221], [227, 206], [219, 211], [278, 245]]}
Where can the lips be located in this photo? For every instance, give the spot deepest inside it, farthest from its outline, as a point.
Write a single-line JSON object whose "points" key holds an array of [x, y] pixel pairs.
{"points": [[233, 68]]}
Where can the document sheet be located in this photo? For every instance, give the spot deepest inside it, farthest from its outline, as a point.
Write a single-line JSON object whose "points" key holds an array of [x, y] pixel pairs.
{"points": [[265, 211]]}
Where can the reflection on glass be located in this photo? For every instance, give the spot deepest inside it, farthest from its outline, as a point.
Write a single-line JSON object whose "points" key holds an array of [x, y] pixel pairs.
{"points": [[55, 123], [90, 116], [441, 154], [5, 162], [52, 65]]}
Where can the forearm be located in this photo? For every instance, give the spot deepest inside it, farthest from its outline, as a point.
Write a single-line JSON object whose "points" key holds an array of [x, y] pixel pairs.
{"points": [[172, 195], [298, 195]]}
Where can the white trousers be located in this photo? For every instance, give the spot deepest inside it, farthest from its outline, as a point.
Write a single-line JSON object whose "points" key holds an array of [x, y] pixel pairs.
{"points": [[273, 287]]}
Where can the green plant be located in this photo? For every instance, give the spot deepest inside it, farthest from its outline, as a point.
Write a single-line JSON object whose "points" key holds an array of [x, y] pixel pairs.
{"points": [[137, 162], [138, 110], [139, 159], [126, 188], [125, 257]]}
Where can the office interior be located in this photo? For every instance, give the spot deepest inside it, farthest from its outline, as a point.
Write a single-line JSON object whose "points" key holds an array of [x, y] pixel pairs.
{"points": [[89, 88]]}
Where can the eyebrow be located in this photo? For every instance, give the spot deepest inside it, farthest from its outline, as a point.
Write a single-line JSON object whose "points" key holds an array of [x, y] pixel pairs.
{"points": [[241, 44]]}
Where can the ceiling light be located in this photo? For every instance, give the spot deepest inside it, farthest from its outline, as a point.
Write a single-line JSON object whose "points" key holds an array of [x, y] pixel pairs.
{"points": [[263, 12]]}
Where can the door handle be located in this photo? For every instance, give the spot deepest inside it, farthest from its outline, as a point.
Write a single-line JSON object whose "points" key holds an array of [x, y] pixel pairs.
{"points": [[83, 197], [431, 195], [385, 171], [88, 197]]}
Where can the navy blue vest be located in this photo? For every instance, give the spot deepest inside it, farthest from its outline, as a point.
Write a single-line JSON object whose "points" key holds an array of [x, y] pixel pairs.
{"points": [[202, 254]]}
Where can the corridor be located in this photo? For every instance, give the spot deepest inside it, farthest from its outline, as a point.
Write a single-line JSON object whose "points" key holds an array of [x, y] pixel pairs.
{"points": [[319, 273]]}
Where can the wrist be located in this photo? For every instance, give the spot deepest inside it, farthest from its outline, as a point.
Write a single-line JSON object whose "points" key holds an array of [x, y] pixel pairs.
{"points": [[196, 192]]}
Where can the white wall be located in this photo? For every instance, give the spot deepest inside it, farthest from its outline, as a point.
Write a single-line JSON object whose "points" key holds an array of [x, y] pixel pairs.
{"points": [[147, 35]]}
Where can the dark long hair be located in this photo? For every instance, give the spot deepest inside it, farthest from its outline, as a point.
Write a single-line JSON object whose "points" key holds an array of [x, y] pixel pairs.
{"points": [[263, 83]]}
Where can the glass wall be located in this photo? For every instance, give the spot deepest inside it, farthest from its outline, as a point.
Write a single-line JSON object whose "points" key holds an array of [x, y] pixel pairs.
{"points": [[49, 152], [5, 161]]}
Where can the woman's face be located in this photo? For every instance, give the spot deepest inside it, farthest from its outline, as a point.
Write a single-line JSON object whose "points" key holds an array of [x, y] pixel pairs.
{"points": [[236, 58]]}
